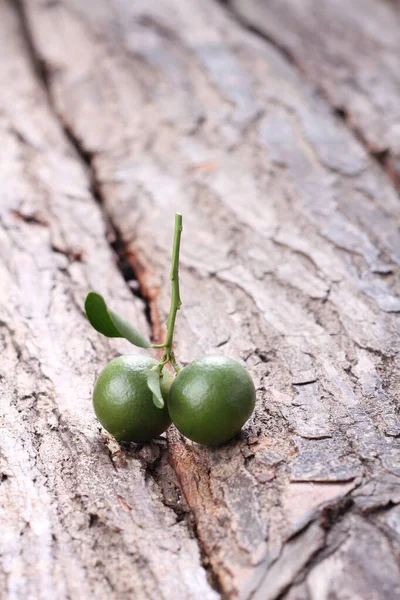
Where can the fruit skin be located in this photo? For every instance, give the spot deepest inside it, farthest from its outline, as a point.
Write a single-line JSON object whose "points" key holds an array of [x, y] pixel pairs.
{"points": [[124, 404], [211, 399]]}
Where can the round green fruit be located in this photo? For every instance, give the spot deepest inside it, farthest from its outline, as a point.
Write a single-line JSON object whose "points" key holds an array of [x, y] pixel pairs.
{"points": [[124, 404], [211, 399]]}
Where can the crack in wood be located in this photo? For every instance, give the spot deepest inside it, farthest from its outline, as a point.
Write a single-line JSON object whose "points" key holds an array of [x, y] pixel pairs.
{"points": [[57, 433], [131, 269], [127, 263]]}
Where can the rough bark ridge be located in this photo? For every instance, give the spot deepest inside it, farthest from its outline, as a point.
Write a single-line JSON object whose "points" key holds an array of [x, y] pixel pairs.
{"points": [[290, 262], [76, 520], [350, 51]]}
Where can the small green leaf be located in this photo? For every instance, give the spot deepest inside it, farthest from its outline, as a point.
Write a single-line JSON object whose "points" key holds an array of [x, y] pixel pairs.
{"points": [[111, 324], [97, 313], [153, 383], [128, 331]]}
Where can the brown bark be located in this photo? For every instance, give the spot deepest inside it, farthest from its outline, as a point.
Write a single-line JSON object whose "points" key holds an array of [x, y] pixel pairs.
{"points": [[290, 258]]}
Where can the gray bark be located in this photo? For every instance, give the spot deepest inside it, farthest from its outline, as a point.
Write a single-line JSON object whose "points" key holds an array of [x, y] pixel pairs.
{"points": [[350, 51], [77, 520], [290, 259]]}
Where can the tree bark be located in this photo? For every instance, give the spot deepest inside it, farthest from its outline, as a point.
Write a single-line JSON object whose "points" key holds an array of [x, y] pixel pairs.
{"points": [[77, 519], [350, 51], [115, 115]]}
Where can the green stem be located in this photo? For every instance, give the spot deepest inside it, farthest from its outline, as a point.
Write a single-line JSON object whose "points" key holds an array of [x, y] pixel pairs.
{"points": [[168, 355]]}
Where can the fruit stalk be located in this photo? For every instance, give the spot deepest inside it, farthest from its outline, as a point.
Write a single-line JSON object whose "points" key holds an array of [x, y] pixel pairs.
{"points": [[168, 355]]}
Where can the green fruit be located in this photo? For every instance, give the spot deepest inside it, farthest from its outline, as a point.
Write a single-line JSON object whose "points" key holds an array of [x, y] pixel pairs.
{"points": [[211, 399], [124, 404]]}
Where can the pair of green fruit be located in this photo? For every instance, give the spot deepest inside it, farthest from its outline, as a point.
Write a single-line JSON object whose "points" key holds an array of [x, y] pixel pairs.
{"points": [[208, 401], [135, 398]]}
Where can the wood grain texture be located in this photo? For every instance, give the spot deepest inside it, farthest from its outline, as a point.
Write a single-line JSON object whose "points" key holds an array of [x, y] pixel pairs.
{"points": [[75, 521], [351, 52], [177, 107]]}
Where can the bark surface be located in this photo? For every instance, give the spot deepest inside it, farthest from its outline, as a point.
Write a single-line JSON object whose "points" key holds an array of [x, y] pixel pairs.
{"points": [[350, 51], [115, 114]]}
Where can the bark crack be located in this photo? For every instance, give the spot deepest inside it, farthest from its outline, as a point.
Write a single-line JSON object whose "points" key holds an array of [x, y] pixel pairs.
{"points": [[154, 457], [114, 237]]}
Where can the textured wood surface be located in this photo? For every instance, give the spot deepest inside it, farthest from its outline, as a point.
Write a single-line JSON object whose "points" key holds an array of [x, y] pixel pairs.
{"points": [[290, 261], [75, 521], [350, 50]]}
